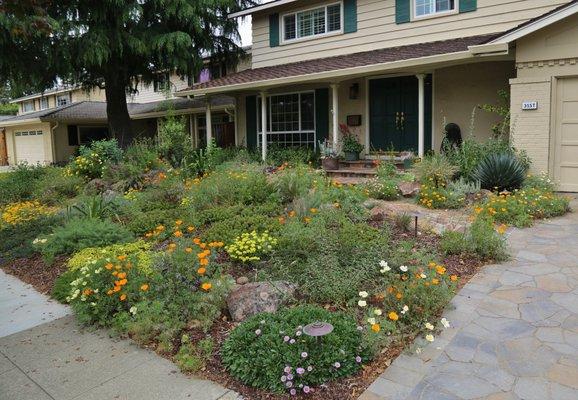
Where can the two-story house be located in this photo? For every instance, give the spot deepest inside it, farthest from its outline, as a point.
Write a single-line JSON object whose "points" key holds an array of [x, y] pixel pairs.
{"points": [[51, 125], [397, 71]]}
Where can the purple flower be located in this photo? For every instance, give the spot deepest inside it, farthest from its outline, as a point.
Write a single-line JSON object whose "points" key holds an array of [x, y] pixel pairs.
{"points": [[337, 364], [290, 377], [292, 341], [293, 392], [289, 384], [300, 371], [310, 368], [258, 332], [304, 354], [283, 378], [286, 338], [287, 369], [306, 389]]}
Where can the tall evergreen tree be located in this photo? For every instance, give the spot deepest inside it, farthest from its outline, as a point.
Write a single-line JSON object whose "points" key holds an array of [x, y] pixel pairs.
{"points": [[115, 44]]}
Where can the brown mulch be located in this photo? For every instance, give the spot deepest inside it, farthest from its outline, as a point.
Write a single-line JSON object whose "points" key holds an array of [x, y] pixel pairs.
{"points": [[36, 272]]}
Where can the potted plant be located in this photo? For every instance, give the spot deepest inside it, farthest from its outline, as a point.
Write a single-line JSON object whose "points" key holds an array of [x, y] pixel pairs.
{"points": [[329, 157], [351, 146]]}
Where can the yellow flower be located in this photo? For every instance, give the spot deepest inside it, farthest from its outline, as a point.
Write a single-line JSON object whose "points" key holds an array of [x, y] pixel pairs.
{"points": [[206, 286], [376, 328], [393, 316]]}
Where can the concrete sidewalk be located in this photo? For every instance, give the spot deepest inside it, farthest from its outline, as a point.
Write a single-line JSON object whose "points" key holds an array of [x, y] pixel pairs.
{"points": [[45, 355]]}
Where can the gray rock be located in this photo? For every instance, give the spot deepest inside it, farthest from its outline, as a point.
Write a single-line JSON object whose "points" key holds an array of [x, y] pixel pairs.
{"points": [[408, 189], [243, 280], [253, 298]]}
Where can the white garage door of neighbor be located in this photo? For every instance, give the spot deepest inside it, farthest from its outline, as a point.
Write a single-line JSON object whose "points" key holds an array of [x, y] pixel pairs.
{"points": [[566, 140], [30, 147]]}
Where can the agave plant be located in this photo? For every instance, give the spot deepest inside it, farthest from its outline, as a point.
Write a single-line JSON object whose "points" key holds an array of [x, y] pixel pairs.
{"points": [[500, 172]]}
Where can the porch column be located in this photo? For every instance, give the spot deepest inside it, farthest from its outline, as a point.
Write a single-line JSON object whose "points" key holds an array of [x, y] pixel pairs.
{"points": [[335, 111], [264, 125], [209, 122], [421, 114]]}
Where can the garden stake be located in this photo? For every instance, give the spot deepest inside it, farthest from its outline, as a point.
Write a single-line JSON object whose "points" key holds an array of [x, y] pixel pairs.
{"points": [[415, 233]]}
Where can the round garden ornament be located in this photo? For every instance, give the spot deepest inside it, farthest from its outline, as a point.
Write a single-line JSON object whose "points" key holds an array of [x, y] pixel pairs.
{"points": [[318, 329]]}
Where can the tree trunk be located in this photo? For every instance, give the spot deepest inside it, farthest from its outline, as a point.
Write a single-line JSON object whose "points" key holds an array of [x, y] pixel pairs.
{"points": [[119, 123]]}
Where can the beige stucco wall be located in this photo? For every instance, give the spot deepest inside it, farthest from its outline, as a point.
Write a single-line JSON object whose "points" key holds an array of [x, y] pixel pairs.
{"points": [[377, 28], [46, 137], [541, 58], [459, 90]]}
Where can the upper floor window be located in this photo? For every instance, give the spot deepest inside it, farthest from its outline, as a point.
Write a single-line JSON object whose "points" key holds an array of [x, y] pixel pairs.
{"points": [[314, 22], [28, 106], [431, 7], [63, 100], [162, 83], [43, 103]]}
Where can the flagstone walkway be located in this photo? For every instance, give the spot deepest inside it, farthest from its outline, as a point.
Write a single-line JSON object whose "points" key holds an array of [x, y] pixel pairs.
{"points": [[514, 331]]}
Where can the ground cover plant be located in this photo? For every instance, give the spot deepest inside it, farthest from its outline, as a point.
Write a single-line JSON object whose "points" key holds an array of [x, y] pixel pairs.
{"points": [[150, 242]]}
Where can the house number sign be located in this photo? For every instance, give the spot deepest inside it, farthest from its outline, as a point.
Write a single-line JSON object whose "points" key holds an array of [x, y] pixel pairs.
{"points": [[530, 105]]}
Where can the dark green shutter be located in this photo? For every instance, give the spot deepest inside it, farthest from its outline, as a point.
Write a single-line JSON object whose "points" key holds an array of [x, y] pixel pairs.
{"points": [[428, 112], [322, 114], [251, 121], [350, 16], [274, 30], [402, 11], [468, 5]]}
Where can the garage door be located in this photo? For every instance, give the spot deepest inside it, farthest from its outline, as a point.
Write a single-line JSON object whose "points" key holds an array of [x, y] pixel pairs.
{"points": [[30, 147], [566, 135]]}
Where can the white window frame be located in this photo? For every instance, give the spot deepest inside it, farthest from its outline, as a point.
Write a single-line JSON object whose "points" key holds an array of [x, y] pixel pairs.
{"points": [[313, 36], [434, 14], [68, 99], [300, 131], [44, 103], [24, 110]]}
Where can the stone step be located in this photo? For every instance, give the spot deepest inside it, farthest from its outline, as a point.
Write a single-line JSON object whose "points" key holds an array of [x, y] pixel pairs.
{"points": [[350, 180], [359, 164], [352, 172]]}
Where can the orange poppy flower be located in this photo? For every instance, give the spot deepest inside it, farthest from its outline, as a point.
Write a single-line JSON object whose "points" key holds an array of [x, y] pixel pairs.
{"points": [[121, 275], [393, 316], [204, 262], [122, 258], [122, 297], [172, 246], [454, 278], [197, 241], [202, 245], [178, 222], [108, 266], [144, 287], [435, 281], [189, 250], [110, 291], [375, 327], [281, 220], [190, 228], [116, 288], [206, 286], [202, 271], [398, 296], [178, 234], [440, 270], [114, 273], [292, 213]]}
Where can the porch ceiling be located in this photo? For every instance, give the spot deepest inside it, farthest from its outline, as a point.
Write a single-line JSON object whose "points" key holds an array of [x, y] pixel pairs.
{"points": [[346, 66]]}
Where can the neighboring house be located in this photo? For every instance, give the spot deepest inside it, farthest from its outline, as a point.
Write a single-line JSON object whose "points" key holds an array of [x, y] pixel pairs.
{"points": [[398, 70], [50, 126]]}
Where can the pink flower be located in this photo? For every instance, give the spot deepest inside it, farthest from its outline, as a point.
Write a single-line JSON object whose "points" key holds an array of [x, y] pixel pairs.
{"points": [[293, 392], [304, 354], [300, 371], [358, 359], [337, 364], [306, 389]]}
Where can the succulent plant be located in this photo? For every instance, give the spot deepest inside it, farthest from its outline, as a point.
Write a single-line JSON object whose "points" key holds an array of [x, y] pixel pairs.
{"points": [[500, 172]]}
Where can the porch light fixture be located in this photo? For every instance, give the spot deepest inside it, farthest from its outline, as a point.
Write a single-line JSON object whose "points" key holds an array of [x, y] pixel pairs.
{"points": [[354, 91]]}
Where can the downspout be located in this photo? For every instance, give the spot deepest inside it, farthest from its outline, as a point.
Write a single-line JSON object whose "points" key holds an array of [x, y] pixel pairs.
{"points": [[52, 141]]}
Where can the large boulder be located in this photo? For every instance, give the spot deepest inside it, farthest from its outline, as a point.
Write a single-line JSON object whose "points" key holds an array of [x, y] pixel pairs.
{"points": [[253, 298], [408, 189]]}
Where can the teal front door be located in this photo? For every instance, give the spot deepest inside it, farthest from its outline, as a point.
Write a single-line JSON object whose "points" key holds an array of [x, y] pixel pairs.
{"points": [[393, 114]]}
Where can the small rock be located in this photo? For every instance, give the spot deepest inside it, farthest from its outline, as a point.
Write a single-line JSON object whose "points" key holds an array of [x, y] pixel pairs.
{"points": [[253, 298], [408, 189], [243, 280]]}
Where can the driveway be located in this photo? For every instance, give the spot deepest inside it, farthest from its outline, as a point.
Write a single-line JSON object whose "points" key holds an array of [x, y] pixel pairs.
{"points": [[514, 329], [45, 355]]}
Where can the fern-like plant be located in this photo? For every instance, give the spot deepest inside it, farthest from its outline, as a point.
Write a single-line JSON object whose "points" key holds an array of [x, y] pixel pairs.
{"points": [[501, 172]]}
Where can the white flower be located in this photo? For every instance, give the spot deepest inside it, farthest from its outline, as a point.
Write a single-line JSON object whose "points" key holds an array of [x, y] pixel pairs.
{"points": [[423, 276], [403, 268], [363, 294], [133, 310], [404, 309], [445, 323], [385, 267], [377, 312], [362, 303], [371, 321], [418, 350], [43, 241], [429, 338], [429, 326]]}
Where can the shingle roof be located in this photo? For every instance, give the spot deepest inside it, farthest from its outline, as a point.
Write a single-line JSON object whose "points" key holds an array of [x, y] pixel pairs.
{"points": [[347, 61], [95, 111]]}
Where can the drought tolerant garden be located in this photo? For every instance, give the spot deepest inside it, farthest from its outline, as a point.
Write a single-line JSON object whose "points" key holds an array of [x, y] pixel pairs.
{"points": [[269, 278]]}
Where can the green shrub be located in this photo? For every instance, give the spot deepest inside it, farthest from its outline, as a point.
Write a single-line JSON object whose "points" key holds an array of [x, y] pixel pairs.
{"points": [[17, 240], [440, 197], [278, 155], [540, 182], [140, 223], [454, 243], [78, 234], [330, 257], [140, 250], [270, 351], [192, 358], [56, 186], [382, 189], [62, 286], [19, 184], [294, 182], [386, 170], [435, 170], [93, 160], [485, 241], [500, 172], [143, 154]]}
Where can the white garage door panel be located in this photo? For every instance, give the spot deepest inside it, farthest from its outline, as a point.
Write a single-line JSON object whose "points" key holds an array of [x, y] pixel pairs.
{"points": [[30, 147], [566, 139]]}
